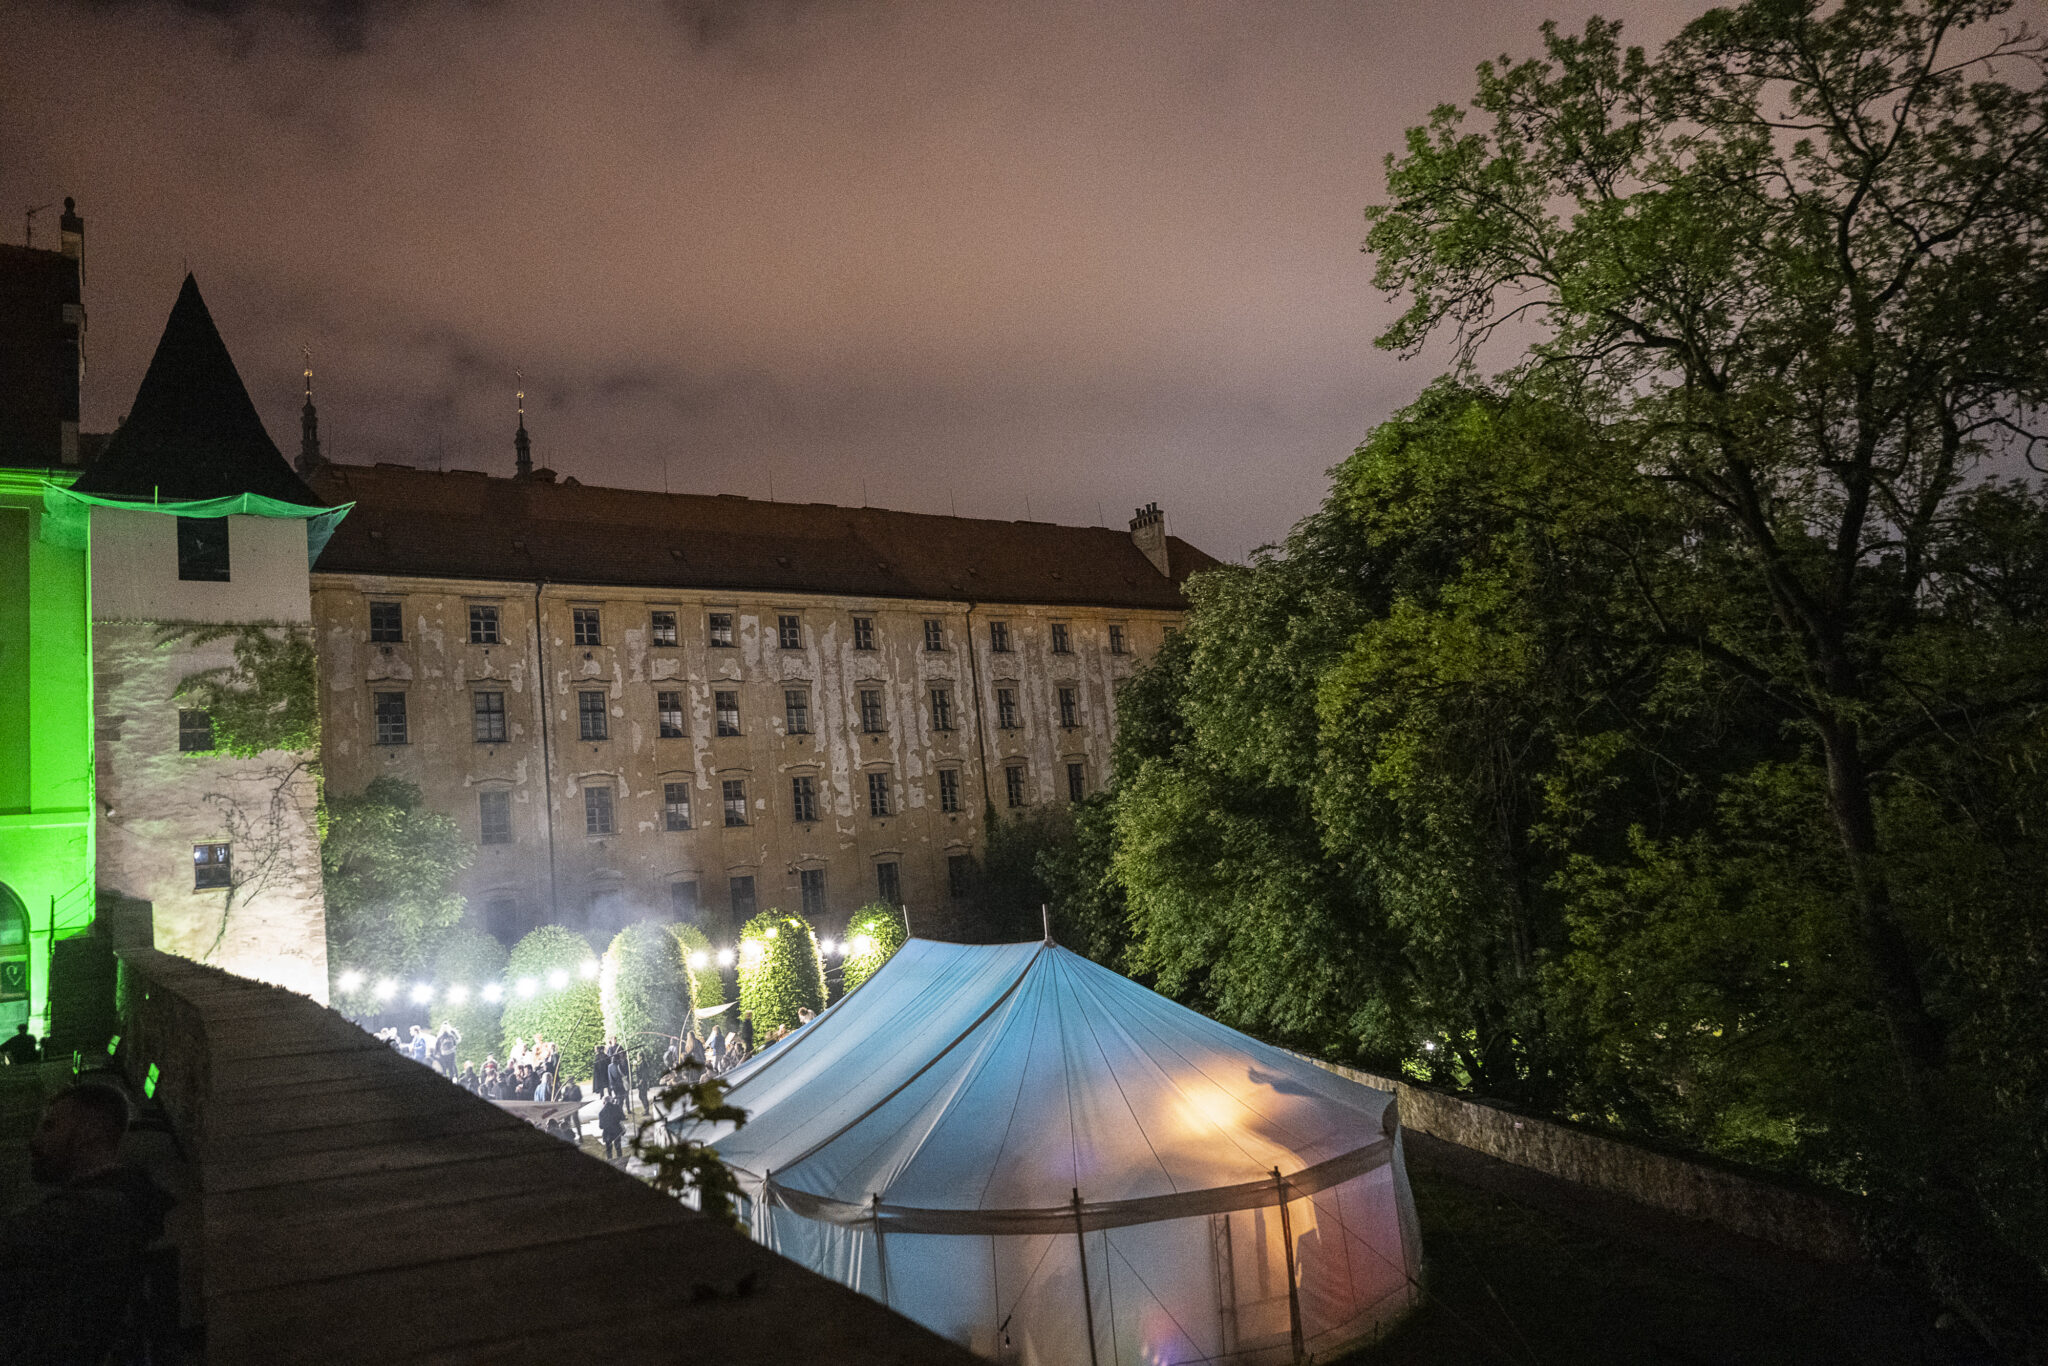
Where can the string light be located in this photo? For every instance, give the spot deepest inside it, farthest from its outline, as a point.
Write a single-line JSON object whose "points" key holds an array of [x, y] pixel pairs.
{"points": [[422, 993], [589, 968], [386, 989], [494, 993], [457, 995], [350, 981], [725, 958], [699, 961], [528, 986], [558, 979], [863, 944]]}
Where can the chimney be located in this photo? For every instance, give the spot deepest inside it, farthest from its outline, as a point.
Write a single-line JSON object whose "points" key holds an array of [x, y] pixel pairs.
{"points": [[1148, 533]]}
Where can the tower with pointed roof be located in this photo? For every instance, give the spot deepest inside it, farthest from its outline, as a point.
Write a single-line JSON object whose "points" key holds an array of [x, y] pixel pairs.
{"points": [[522, 444], [310, 458], [201, 538]]}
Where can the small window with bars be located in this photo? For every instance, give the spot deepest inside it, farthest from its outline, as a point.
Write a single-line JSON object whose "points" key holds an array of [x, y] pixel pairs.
{"points": [[999, 637], [1117, 644], [1013, 784], [889, 883], [810, 885], [727, 705], [591, 717], [942, 709], [389, 709], [796, 711], [949, 790], [588, 624], [934, 635], [1062, 639], [871, 710], [487, 717], [1077, 782], [212, 866], [387, 622], [668, 712], [735, 790], [863, 633], [483, 623], [494, 816], [1006, 708], [878, 794], [719, 625], [661, 629], [803, 799], [195, 732], [789, 632], [1070, 709], [675, 806], [597, 811]]}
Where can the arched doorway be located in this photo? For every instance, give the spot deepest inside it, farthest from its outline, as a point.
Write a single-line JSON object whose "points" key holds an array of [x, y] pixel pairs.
{"points": [[14, 974]]}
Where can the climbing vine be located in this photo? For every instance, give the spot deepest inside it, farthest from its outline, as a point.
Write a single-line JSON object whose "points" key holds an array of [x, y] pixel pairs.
{"points": [[266, 699]]}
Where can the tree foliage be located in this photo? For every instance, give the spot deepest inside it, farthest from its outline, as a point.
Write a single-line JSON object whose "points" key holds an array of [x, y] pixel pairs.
{"points": [[569, 1016], [872, 938], [708, 977], [388, 866], [646, 988], [472, 959], [780, 970], [265, 700]]}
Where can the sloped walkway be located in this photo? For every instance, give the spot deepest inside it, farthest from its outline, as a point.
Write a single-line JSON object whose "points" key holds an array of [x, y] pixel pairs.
{"points": [[356, 1207]]}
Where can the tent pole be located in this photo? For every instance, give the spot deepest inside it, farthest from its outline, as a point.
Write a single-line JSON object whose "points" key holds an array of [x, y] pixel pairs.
{"points": [[1293, 1292], [881, 1257], [1087, 1300]]}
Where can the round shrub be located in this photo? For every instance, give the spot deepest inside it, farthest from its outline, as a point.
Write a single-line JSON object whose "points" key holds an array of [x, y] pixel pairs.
{"points": [[872, 938], [709, 977], [646, 989], [780, 971], [472, 960], [569, 1016]]}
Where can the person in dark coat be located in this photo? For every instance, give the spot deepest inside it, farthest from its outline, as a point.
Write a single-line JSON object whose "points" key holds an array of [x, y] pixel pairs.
{"points": [[21, 1050], [747, 1034], [611, 1127], [572, 1094]]}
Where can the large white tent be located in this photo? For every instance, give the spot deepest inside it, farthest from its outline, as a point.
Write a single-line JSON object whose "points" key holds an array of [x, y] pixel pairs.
{"points": [[1050, 1164]]}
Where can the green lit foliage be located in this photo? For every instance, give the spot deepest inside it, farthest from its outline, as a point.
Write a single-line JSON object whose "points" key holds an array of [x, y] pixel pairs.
{"points": [[709, 977], [472, 959], [388, 866], [684, 1165], [780, 971], [571, 1017], [646, 989], [266, 699], [872, 938]]}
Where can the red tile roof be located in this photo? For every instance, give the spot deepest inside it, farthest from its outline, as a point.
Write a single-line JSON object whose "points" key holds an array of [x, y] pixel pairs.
{"points": [[468, 525]]}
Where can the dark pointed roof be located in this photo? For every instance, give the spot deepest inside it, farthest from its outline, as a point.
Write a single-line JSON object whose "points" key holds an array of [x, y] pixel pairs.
{"points": [[192, 432]]}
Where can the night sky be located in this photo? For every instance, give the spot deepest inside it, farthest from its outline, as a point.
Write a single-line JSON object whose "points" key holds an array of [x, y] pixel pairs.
{"points": [[1006, 259]]}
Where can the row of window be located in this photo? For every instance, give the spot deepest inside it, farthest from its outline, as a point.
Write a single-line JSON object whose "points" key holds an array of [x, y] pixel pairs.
{"points": [[387, 625], [593, 714], [600, 808]]}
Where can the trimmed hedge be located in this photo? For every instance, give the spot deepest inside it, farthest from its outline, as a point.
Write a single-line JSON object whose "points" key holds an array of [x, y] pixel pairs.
{"points": [[780, 971], [570, 1017], [710, 978], [646, 989], [883, 925], [475, 960]]}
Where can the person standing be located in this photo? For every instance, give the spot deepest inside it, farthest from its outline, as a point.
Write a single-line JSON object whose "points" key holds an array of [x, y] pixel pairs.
{"points": [[572, 1094], [445, 1046], [541, 1090], [21, 1050], [747, 1035], [611, 1126]]}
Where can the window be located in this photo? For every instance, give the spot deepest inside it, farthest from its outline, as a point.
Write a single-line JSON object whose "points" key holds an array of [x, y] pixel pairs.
{"points": [[483, 626], [871, 710], [959, 875], [387, 622], [949, 789], [942, 709], [889, 883], [721, 630], [494, 815], [728, 708], [210, 862], [675, 806], [588, 624], [796, 711], [1006, 708], [682, 900], [789, 632], [195, 732], [735, 801], [203, 551], [668, 711], [934, 635], [487, 717], [878, 794], [1077, 782], [810, 883], [863, 633], [1062, 642], [1069, 709], [999, 637], [590, 715], [661, 629], [390, 712], [803, 798], [1013, 784], [597, 810], [1116, 640], [742, 891], [502, 920]]}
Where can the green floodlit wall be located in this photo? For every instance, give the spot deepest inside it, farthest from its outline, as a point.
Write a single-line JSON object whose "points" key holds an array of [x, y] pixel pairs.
{"points": [[46, 754]]}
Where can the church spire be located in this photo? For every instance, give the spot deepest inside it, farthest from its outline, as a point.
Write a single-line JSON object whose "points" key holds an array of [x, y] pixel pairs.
{"points": [[522, 444], [310, 458]]}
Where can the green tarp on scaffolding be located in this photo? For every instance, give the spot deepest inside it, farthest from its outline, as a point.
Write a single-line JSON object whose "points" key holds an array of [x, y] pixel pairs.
{"points": [[67, 515]]}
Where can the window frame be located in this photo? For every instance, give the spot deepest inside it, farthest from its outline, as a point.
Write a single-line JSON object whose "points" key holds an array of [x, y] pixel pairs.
{"points": [[662, 631], [200, 559], [1067, 697], [586, 626], [874, 714], [733, 887], [880, 806], [789, 631], [1006, 709], [934, 635], [674, 806], [586, 715], [723, 636], [803, 798], [864, 633], [720, 709], [889, 885], [1062, 638], [480, 712], [486, 799], [733, 799], [387, 621], [942, 706], [1014, 796], [383, 707], [485, 622], [664, 729], [600, 811], [1119, 639], [999, 642], [959, 876], [188, 728], [810, 891], [1077, 780], [796, 711], [949, 792], [220, 854]]}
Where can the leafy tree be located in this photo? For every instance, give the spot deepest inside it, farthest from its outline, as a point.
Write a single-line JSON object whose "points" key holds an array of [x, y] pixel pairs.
{"points": [[780, 970], [702, 961], [646, 988], [1011, 887], [872, 938], [473, 960], [568, 1015], [388, 866], [681, 1162]]}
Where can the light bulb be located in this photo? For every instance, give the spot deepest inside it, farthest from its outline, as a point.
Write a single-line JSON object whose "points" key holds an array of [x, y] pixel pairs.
{"points": [[528, 986], [350, 981]]}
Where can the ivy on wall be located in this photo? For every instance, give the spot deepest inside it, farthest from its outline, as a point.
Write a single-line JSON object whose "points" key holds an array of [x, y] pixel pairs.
{"points": [[780, 971], [266, 699]]}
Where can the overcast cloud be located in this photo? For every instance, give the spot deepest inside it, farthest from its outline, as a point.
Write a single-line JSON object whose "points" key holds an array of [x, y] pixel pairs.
{"points": [[938, 255]]}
